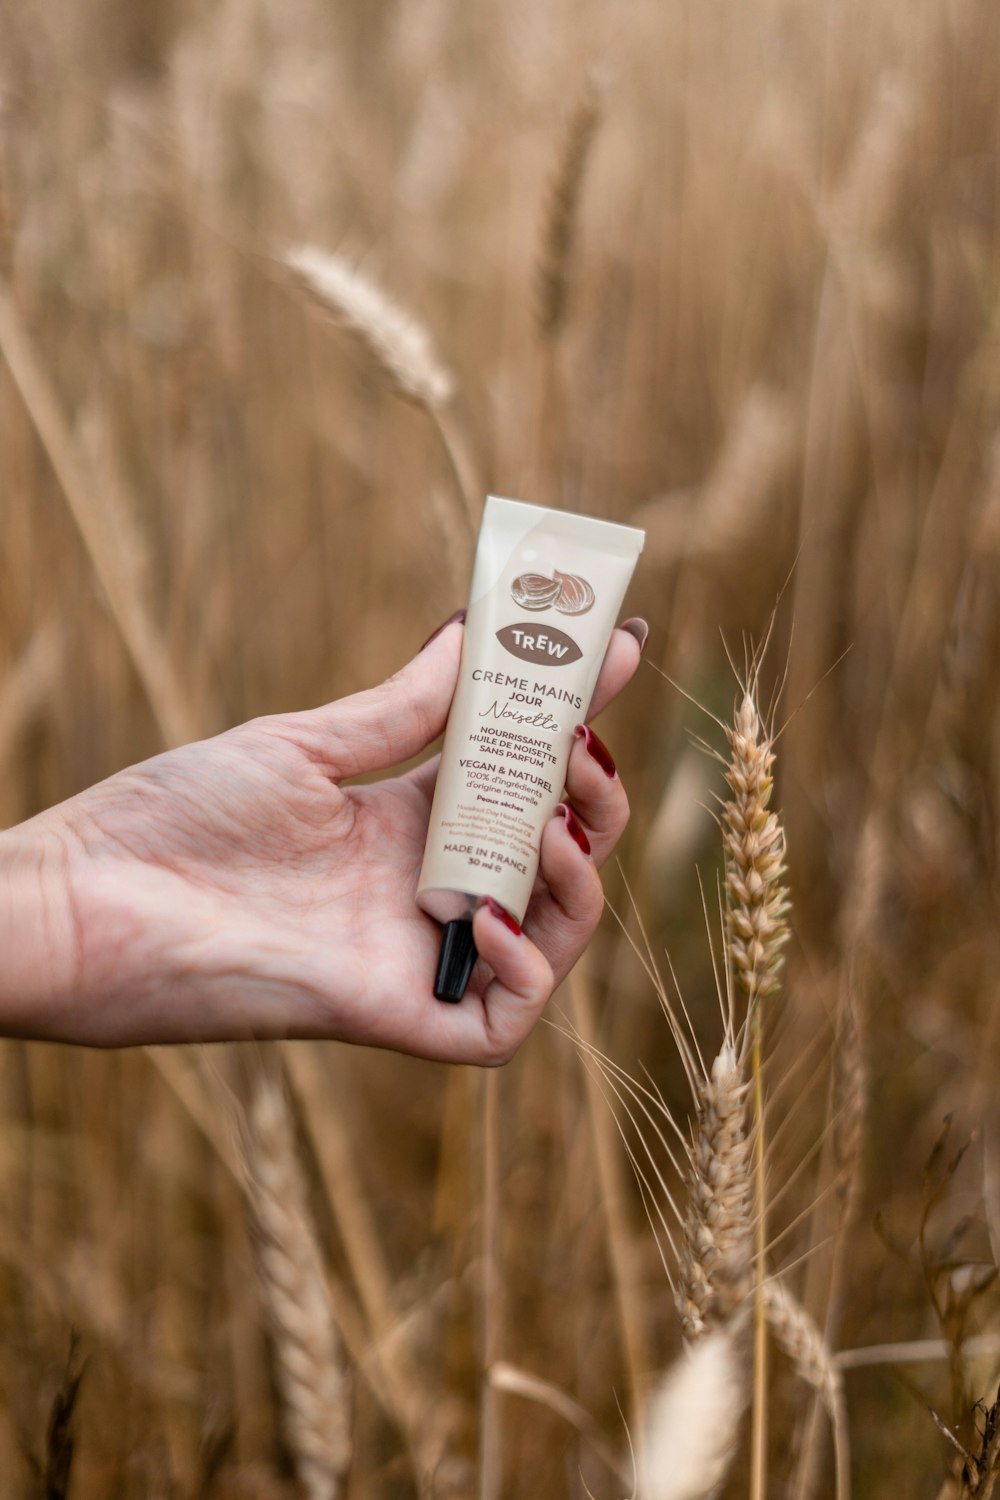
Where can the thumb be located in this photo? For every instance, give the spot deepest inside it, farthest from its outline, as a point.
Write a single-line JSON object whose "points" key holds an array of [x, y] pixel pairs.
{"points": [[384, 725]]}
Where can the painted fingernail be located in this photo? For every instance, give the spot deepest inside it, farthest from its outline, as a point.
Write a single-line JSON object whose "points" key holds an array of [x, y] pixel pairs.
{"points": [[503, 915], [451, 620], [574, 827], [637, 628], [597, 749]]}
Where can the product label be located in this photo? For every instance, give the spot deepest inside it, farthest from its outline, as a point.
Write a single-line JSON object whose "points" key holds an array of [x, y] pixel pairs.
{"points": [[524, 684], [513, 763]]}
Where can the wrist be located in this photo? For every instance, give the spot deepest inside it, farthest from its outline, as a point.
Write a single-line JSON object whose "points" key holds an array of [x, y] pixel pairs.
{"points": [[38, 947]]}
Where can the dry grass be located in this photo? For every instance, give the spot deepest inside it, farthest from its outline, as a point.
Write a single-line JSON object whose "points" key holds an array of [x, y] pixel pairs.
{"points": [[746, 296]]}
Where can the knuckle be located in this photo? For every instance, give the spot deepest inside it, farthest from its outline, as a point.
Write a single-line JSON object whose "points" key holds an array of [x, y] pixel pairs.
{"points": [[296, 729], [588, 906], [595, 903], [499, 1054], [397, 696], [618, 812]]}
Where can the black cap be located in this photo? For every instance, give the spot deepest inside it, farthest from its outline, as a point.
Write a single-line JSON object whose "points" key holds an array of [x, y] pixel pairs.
{"points": [[456, 961]]}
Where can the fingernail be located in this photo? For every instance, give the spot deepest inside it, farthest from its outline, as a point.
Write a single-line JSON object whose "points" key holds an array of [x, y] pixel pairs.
{"points": [[503, 915], [637, 628], [451, 620], [597, 749], [574, 827]]}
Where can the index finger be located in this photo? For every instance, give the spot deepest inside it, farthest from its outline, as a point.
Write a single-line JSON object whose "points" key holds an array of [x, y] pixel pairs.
{"points": [[618, 668]]}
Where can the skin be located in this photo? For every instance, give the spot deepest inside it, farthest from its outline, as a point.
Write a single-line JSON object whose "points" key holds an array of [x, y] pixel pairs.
{"points": [[235, 888]]}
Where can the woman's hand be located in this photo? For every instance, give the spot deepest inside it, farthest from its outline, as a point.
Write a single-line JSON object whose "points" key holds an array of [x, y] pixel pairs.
{"points": [[234, 889]]}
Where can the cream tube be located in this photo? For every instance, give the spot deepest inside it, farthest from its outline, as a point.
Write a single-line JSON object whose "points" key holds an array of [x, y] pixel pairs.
{"points": [[546, 590]]}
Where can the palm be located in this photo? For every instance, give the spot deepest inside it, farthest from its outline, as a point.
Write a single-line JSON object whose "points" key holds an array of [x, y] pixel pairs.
{"points": [[314, 881], [284, 901]]}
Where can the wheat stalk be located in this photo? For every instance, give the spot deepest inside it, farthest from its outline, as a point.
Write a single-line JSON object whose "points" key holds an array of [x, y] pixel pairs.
{"points": [[6, 225], [809, 1352], [399, 346], [517, 1382], [553, 280], [848, 1107], [716, 1270], [757, 930], [29, 685], [732, 508], [314, 1382], [563, 207], [108, 546], [396, 342], [848, 1102], [611, 1175]]}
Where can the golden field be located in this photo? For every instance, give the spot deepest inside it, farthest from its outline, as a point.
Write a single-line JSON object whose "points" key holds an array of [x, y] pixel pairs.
{"points": [[728, 272]]}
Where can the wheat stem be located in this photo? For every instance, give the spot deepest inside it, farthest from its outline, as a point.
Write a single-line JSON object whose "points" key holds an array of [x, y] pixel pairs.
{"points": [[402, 350], [517, 1382], [28, 685], [847, 1113], [611, 1177], [758, 1430], [462, 463], [173, 713], [490, 1464]]}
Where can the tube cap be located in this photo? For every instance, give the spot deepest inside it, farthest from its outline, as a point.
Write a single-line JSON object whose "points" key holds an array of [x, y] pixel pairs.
{"points": [[456, 961]]}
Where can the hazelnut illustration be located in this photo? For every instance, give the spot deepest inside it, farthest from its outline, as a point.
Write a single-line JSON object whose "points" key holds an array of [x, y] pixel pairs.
{"points": [[575, 595], [566, 592], [535, 591]]}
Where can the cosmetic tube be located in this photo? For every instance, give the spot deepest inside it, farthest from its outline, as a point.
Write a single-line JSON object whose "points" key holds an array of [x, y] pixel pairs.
{"points": [[546, 590]]}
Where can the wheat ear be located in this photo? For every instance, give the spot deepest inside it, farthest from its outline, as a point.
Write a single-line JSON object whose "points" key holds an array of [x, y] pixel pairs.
{"points": [[754, 842], [757, 931], [808, 1351], [563, 208], [397, 343], [314, 1383], [691, 1422], [716, 1258], [554, 278]]}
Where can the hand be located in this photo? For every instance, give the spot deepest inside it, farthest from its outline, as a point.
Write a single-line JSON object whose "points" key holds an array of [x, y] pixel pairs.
{"points": [[232, 888]]}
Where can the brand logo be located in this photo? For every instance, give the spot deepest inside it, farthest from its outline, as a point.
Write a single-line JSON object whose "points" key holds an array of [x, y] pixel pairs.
{"points": [[566, 592], [546, 647]]}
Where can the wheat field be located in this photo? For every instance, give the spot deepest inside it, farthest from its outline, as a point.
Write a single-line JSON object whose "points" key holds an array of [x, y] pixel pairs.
{"points": [[730, 1221]]}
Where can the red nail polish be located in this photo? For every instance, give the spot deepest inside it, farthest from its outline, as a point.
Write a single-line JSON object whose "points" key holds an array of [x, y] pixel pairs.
{"points": [[597, 749], [503, 915], [637, 628], [574, 827], [451, 620]]}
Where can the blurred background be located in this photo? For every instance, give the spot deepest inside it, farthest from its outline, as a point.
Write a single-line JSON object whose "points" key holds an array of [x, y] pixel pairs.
{"points": [[728, 272]]}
